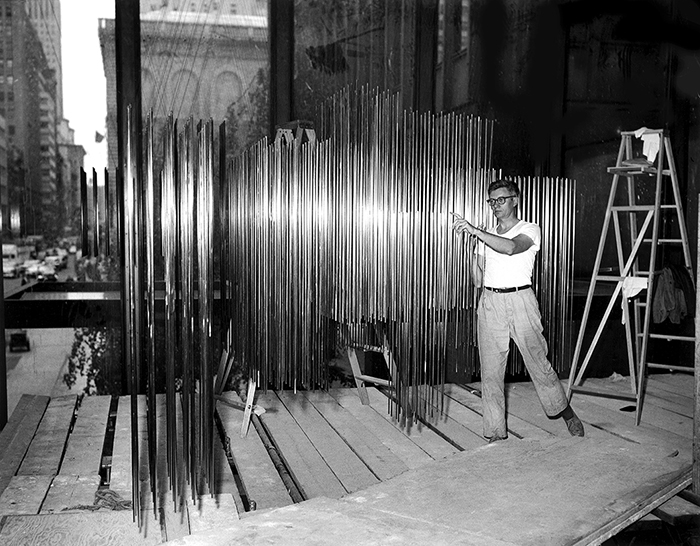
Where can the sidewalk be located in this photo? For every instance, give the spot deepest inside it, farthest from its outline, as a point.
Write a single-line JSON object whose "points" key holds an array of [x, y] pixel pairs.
{"points": [[40, 371]]}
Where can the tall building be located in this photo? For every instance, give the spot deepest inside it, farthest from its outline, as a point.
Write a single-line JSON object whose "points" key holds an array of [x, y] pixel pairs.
{"points": [[28, 102], [197, 59], [46, 18], [70, 161]]}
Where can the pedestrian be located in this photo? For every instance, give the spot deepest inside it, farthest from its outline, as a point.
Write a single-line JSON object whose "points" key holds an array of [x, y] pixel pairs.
{"points": [[508, 309]]}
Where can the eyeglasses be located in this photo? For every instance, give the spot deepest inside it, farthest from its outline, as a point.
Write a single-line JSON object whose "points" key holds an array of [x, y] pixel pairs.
{"points": [[499, 200]]}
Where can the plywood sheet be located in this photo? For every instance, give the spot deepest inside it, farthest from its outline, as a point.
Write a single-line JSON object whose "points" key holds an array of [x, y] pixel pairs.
{"points": [[103, 527], [567, 491]]}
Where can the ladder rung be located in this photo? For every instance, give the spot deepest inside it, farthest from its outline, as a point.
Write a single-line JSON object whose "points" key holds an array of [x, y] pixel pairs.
{"points": [[632, 208], [668, 337], [605, 394], [640, 303], [669, 206], [689, 369], [614, 278], [373, 348], [635, 170], [375, 380], [664, 241]]}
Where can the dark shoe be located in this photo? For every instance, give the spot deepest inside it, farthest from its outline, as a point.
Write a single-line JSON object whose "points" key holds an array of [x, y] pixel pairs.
{"points": [[575, 426], [494, 439]]}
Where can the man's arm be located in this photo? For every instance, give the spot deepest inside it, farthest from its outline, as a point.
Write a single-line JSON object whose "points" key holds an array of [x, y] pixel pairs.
{"points": [[502, 245], [516, 245]]}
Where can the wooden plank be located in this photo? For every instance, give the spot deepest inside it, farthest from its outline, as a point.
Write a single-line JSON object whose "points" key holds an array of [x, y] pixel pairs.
{"points": [[528, 408], [680, 383], [652, 415], [305, 464], [24, 495], [104, 527], [24, 434], [621, 424], [677, 511], [70, 493], [654, 395], [261, 481], [120, 472], [84, 450], [345, 464], [391, 435], [462, 427], [432, 443], [378, 458], [46, 450], [516, 425], [8, 433]]}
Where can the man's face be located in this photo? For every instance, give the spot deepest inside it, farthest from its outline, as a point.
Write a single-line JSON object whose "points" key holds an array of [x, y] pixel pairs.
{"points": [[510, 202]]}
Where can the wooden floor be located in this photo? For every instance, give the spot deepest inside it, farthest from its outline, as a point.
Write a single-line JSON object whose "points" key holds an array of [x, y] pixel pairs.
{"points": [[308, 445]]}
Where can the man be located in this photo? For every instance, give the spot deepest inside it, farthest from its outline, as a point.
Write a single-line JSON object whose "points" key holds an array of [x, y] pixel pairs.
{"points": [[508, 309]]}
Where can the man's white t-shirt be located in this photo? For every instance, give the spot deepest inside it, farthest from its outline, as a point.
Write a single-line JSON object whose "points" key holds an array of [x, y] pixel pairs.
{"points": [[504, 271]]}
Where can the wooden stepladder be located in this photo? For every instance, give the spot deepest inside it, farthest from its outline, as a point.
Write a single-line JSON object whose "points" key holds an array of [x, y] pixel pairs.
{"points": [[635, 214]]}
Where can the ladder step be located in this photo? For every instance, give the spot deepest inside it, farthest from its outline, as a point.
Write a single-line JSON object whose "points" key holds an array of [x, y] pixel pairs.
{"points": [[669, 337], [605, 394], [689, 369], [635, 170], [375, 380], [615, 278], [665, 241], [632, 208]]}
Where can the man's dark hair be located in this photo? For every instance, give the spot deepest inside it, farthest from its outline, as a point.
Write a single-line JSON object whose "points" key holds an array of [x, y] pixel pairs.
{"points": [[508, 184]]}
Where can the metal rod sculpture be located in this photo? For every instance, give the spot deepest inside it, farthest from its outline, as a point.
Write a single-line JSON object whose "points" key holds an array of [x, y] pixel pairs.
{"points": [[355, 230], [350, 235]]}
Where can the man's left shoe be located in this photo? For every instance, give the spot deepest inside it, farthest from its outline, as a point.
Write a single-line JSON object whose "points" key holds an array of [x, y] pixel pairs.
{"points": [[575, 426]]}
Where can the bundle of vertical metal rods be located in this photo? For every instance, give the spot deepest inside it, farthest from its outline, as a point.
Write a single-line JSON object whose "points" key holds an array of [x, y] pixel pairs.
{"points": [[346, 238]]}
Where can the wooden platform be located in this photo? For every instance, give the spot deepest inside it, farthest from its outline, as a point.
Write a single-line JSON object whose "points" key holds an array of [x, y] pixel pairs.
{"points": [[357, 464]]}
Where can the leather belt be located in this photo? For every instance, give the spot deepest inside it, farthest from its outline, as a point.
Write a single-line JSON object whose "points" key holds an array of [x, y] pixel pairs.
{"points": [[507, 290]]}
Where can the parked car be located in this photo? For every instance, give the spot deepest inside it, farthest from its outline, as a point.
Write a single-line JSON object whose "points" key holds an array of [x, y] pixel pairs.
{"points": [[58, 261], [46, 272], [19, 340], [31, 268], [10, 269]]}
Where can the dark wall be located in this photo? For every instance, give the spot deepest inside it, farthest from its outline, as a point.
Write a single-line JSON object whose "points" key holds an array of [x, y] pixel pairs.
{"points": [[563, 78]]}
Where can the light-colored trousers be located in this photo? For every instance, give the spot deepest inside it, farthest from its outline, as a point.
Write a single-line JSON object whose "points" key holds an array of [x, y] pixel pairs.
{"points": [[502, 317]]}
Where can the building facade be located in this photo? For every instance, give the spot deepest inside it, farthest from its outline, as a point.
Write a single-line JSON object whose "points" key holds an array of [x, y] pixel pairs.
{"points": [[28, 103], [197, 59], [70, 161]]}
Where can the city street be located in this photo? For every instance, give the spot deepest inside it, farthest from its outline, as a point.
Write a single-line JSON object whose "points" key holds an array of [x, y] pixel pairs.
{"points": [[41, 369]]}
